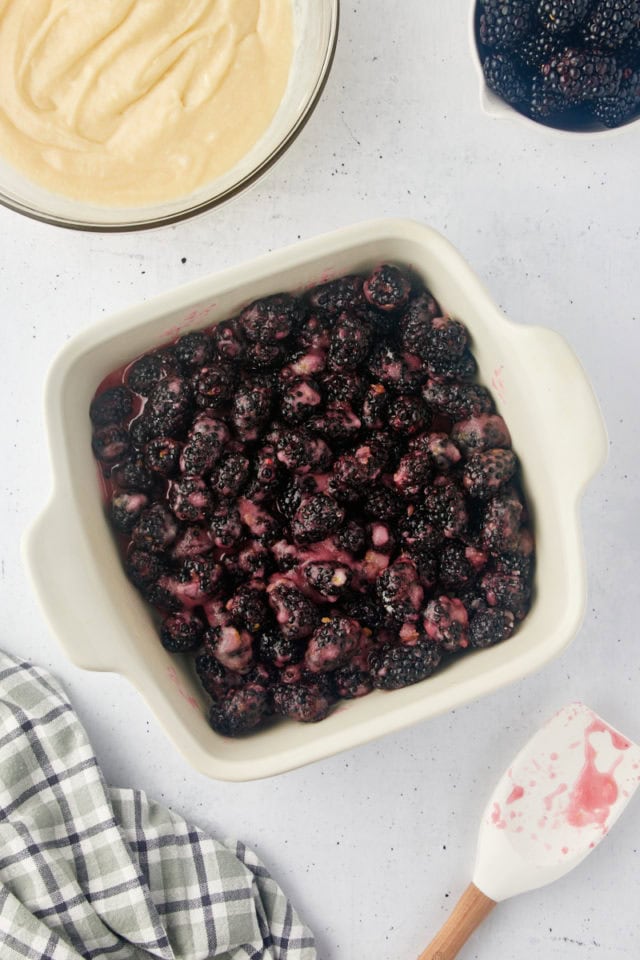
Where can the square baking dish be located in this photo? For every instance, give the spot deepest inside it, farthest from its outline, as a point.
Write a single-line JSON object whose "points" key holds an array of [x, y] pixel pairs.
{"points": [[103, 624]]}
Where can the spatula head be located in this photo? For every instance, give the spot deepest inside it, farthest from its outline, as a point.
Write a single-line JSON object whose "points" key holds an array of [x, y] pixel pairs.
{"points": [[556, 802]]}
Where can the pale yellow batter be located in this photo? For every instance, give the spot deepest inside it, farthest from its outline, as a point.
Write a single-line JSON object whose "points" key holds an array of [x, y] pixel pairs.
{"points": [[128, 102]]}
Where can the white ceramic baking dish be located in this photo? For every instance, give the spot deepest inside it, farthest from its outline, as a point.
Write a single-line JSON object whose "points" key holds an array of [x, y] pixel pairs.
{"points": [[539, 386]]}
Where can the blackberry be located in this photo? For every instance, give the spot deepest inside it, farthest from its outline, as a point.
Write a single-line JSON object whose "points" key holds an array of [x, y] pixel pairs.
{"points": [[230, 475], [298, 450], [181, 632], [231, 647], [442, 452], [381, 503], [214, 678], [228, 341], [446, 507], [110, 444], [503, 23], [408, 415], [485, 473], [399, 591], [155, 530], [399, 371], [193, 350], [395, 666], [248, 607], [447, 338], [306, 702], [507, 592], [332, 644], [426, 563], [200, 454], [190, 499], [458, 401], [486, 431], [316, 518], [537, 49], [546, 104], [352, 682], [126, 509], [278, 650], [329, 578], [336, 296], [446, 622], [252, 560], [144, 374], [559, 17], [111, 406], [489, 627], [250, 409], [363, 608], [194, 541], [387, 288], [517, 563], [272, 319], [351, 538], [300, 400], [381, 451], [168, 406], [415, 324], [162, 456], [338, 422], [313, 338], [614, 111], [143, 429], [132, 474], [412, 475], [374, 407], [289, 499], [350, 343], [449, 367], [196, 580], [455, 568], [344, 387], [243, 710], [501, 522], [225, 526], [208, 426], [214, 384], [351, 476], [296, 615], [264, 356], [504, 78], [143, 567], [418, 529], [611, 22], [581, 75], [265, 482]]}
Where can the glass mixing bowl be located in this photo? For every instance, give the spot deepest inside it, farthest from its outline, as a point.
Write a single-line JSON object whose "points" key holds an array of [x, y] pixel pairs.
{"points": [[315, 34]]}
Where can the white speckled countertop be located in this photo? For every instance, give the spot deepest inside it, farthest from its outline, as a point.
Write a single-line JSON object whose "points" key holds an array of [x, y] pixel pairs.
{"points": [[374, 845]]}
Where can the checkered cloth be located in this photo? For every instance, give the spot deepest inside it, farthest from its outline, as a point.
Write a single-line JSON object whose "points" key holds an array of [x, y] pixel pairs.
{"points": [[94, 872]]}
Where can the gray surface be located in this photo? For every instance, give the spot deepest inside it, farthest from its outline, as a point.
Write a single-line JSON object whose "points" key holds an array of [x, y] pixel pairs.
{"points": [[374, 845]]}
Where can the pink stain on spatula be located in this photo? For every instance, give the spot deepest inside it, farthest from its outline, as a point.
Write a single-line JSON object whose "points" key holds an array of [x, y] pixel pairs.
{"points": [[558, 798]]}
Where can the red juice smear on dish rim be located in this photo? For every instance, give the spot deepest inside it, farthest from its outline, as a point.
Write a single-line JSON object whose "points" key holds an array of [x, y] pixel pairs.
{"points": [[516, 794], [595, 792]]}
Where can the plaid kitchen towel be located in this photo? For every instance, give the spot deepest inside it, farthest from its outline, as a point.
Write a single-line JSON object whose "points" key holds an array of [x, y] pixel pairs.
{"points": [[88, 871]]}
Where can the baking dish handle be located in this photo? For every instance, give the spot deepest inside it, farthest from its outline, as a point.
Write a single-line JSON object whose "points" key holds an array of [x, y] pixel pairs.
{"points": [[567, 401], [56, 555]]}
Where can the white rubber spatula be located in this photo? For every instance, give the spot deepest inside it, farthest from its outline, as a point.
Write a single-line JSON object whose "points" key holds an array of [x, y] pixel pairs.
{"points": [[556, 802]]}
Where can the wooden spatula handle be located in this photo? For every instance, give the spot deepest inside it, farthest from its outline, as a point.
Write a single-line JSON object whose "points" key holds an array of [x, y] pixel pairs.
{"points": [[472, 908]]}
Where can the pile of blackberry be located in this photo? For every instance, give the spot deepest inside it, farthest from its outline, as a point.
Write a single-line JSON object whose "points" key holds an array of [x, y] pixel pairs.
{"points": [[573, 64], [316, 497]]}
